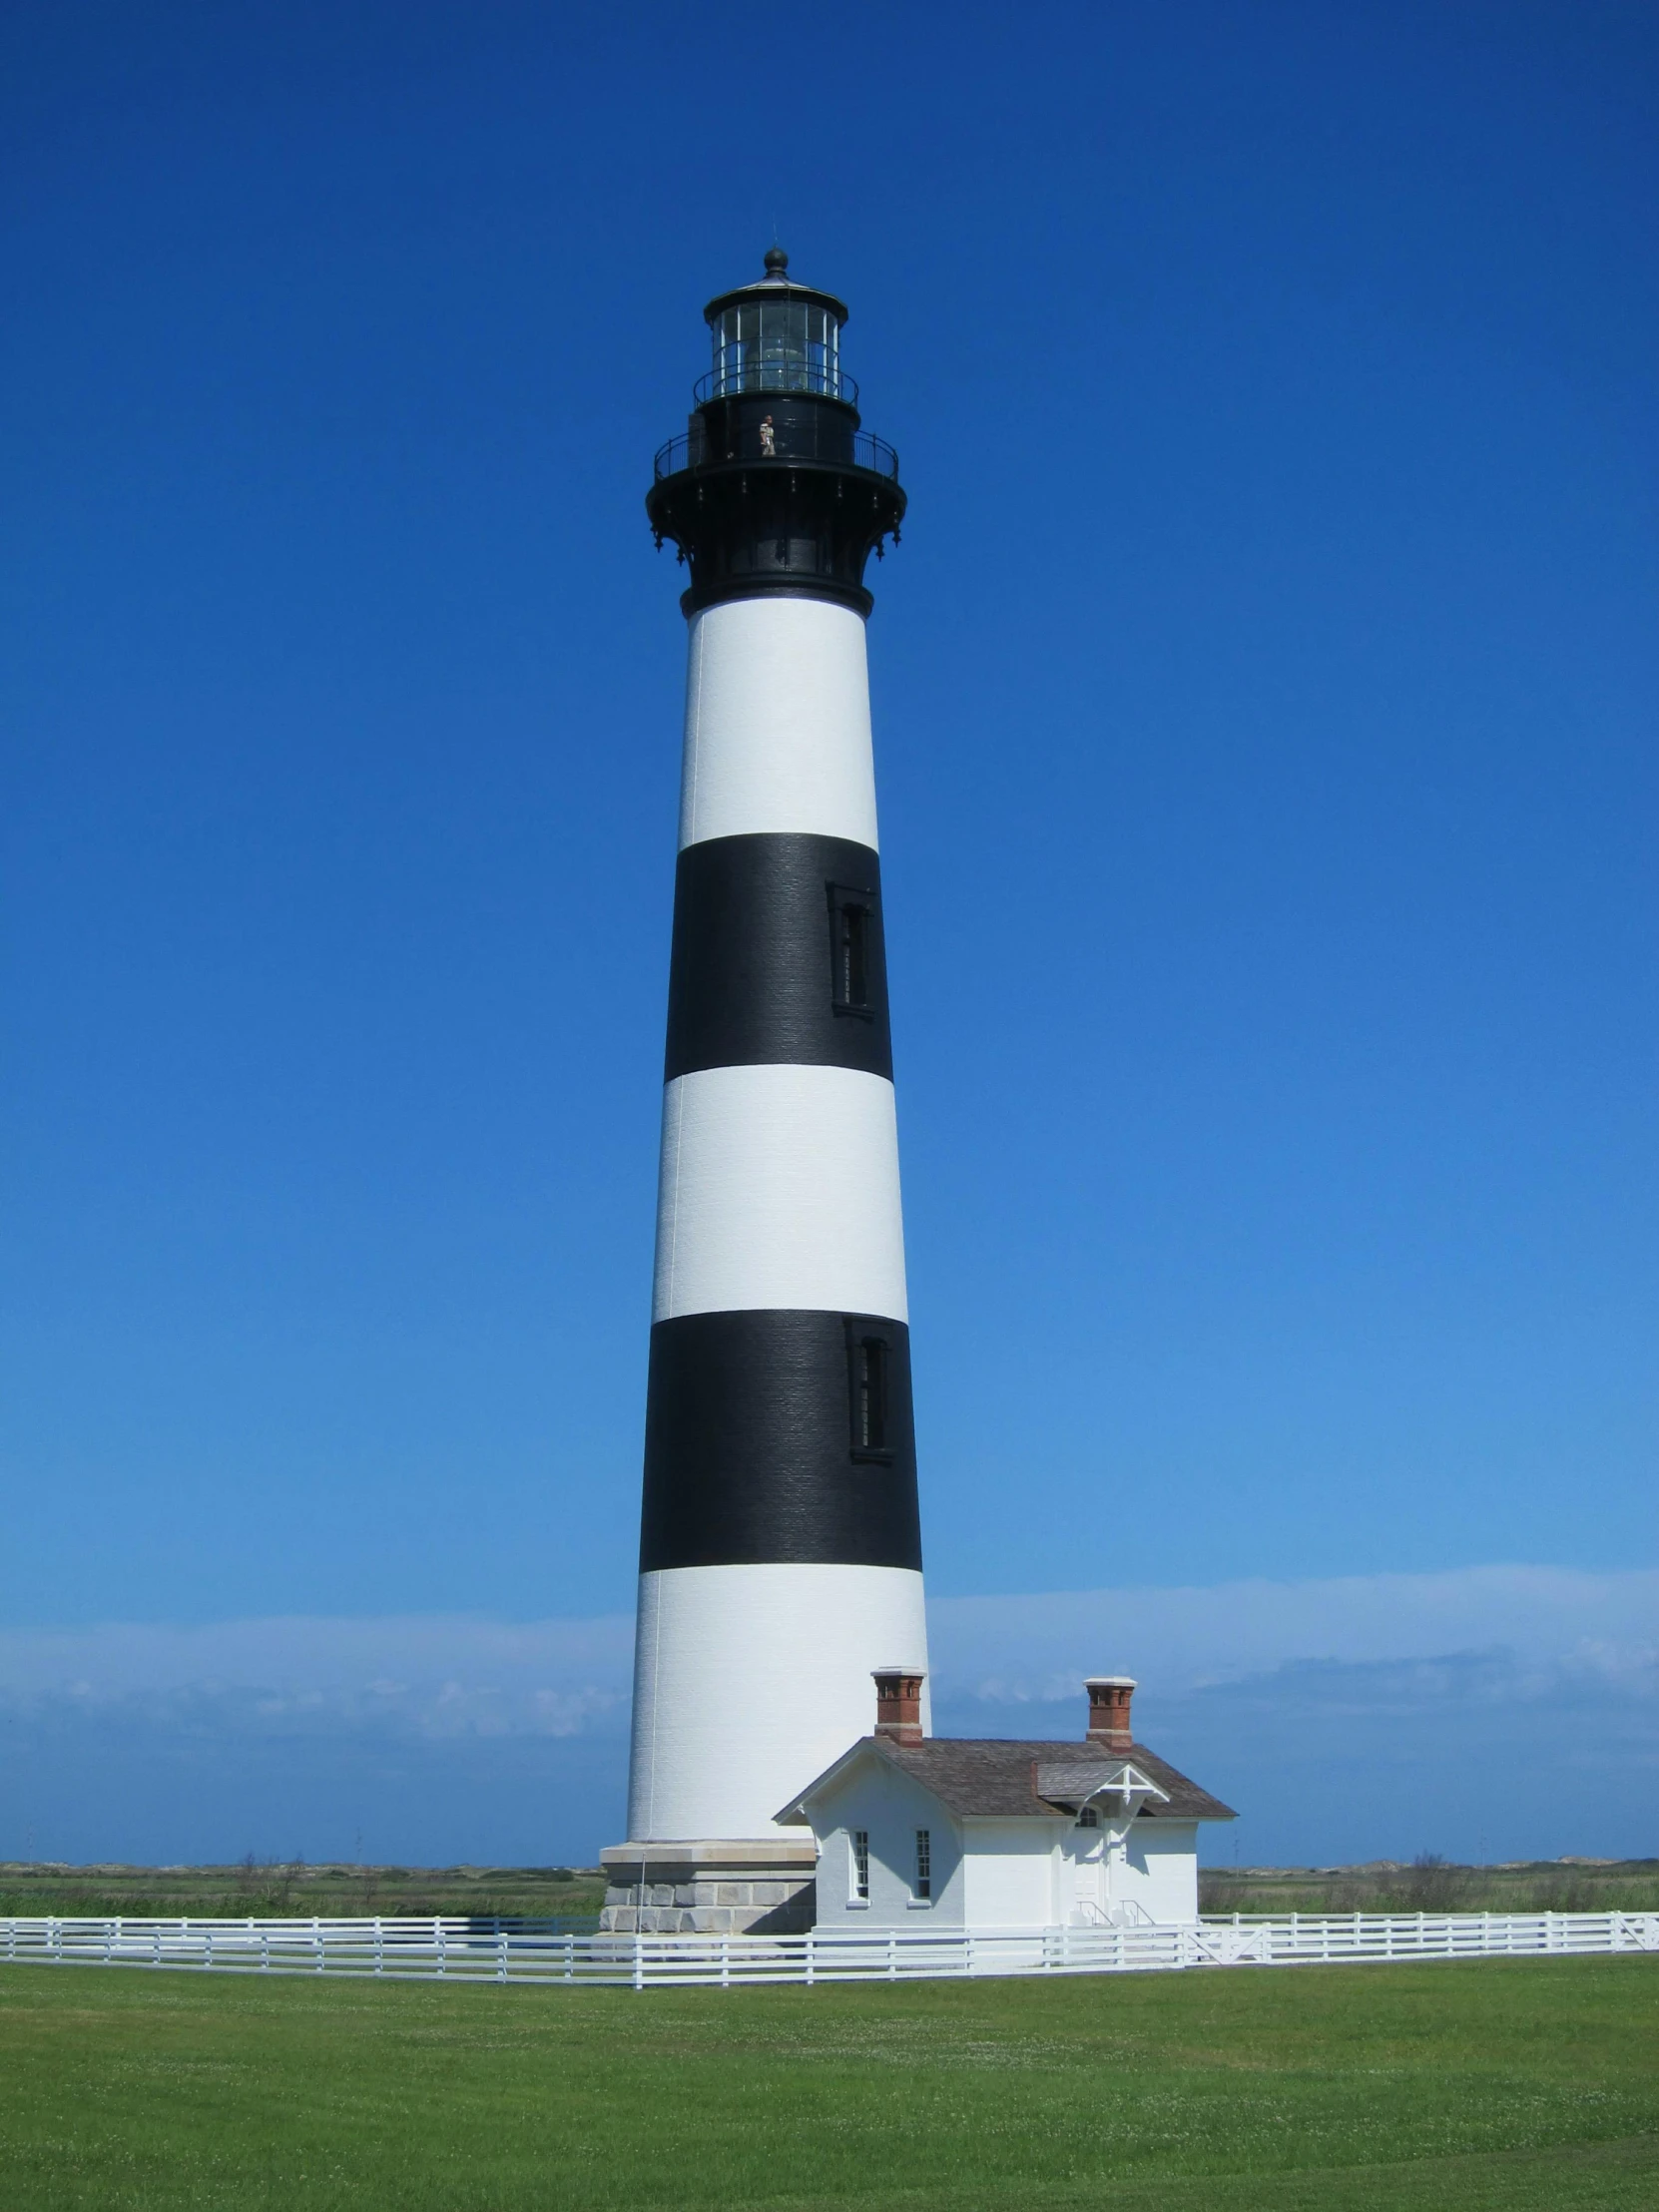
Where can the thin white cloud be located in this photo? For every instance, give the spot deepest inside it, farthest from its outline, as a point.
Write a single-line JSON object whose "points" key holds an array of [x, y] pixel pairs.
{"points": [[444, 1674], [435, 1675], [1546, 1620]]}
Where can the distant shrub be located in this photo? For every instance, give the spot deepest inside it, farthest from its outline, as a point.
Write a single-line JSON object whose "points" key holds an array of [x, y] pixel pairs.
{"points": [[1430, 1885]]}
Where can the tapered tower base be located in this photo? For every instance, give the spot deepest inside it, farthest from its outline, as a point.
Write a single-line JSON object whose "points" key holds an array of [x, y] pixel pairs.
{"points": [[711, 1888]]}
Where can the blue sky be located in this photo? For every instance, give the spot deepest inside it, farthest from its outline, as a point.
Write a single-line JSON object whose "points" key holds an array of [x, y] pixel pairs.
{"points": [[1265, 695]]}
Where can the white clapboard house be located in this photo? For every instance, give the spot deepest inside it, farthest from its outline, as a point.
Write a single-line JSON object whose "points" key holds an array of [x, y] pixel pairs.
{"points": [[916, 1831]]}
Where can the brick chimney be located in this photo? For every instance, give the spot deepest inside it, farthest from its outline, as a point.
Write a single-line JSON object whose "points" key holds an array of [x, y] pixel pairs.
{"points": [[1109, 1696], [898, 1704]]}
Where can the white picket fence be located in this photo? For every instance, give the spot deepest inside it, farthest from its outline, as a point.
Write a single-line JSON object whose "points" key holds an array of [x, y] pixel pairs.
{"points": [[472, 1950]]}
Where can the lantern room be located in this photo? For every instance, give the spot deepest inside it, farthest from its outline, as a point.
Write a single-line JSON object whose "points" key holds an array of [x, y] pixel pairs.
{"points": [[776, 337]]}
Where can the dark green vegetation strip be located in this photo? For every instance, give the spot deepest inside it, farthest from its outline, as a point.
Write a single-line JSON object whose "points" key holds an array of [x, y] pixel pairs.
{"points": [[1504, 2085], [1435, 1886], [275, 1888]]}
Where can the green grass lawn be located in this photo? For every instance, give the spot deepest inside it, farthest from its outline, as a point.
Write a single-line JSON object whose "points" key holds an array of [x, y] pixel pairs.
{"points": [[1496, 2086]]}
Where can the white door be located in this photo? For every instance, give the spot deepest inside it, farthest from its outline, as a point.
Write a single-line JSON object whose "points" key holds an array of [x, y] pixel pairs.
{"points": [[1089, 1893]]}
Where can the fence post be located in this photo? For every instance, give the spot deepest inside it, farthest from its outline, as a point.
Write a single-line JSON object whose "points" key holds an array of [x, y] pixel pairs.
{"points": [[379, 1946], [501, 1955], [893, 1956], [639, 1960], [808, 1954]]}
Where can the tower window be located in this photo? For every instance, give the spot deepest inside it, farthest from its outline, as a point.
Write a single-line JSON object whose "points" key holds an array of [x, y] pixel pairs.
{"points": [[870, 1359], [851, 934], [860, 1864], [924, 1862], [853, 956], [1088, 1818], [877, 1418]]}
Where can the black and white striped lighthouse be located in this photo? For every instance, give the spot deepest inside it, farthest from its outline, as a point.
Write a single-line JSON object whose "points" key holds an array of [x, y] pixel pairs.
{"points": [[779, 1552]]}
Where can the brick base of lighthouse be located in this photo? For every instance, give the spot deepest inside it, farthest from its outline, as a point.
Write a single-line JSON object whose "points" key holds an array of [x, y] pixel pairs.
{"points": [[709, 1889]]}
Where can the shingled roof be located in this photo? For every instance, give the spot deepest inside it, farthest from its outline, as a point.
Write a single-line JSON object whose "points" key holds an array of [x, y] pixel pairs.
{"points": [[981, 1777]]}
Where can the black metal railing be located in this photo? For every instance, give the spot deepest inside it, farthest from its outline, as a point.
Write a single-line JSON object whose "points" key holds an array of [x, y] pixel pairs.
{"points": [[816, 441], [826, 382]]}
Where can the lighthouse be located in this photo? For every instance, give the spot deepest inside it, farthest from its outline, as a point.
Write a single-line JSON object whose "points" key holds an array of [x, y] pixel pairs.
{"points": [[779, 1543]]}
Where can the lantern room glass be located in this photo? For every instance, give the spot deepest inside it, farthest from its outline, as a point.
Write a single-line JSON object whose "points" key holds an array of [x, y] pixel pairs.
{"points": [[776, 345]]}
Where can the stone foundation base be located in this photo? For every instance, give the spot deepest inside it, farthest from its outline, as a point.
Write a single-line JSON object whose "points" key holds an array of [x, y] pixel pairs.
{"points": [[709, 1889]]}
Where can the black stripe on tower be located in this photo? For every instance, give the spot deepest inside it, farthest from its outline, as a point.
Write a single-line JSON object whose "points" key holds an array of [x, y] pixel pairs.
{"points": [[779, 956], [779, 1437]]}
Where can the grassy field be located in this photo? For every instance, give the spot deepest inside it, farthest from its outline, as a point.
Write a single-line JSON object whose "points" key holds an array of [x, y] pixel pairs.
{"points": [[1500, 2086]]}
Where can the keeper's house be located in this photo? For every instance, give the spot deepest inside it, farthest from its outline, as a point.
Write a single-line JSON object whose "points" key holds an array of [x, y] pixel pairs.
{"points": [[916, 1831]]}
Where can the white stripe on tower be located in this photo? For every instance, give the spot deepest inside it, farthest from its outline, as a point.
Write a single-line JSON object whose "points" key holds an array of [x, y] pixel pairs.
{"points": [[745, 1673], [780, 1186], [778, 723]]}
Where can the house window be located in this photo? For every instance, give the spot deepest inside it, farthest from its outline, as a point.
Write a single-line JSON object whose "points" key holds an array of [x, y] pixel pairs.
{"points": [[1088, 1818], [860, 1864], [849, 951], [924, 1862]]}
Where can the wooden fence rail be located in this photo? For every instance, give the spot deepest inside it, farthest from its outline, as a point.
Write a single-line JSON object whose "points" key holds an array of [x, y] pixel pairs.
{"points": [[485, 1950]]}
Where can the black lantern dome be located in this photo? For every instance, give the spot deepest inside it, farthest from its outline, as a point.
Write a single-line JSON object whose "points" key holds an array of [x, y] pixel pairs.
{"points": [[775, 486]]}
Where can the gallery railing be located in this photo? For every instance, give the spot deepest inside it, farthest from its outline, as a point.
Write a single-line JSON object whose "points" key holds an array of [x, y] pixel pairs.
{"points": [[823, 438]]}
